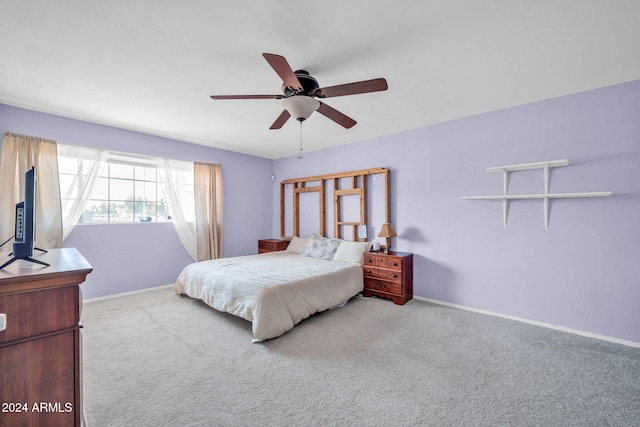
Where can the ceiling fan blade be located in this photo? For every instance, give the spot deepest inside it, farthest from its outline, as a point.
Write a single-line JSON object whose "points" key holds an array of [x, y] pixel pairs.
{"points": [[283, 69], [336, 116], [247, 96], [365, 86], [281, 120]]}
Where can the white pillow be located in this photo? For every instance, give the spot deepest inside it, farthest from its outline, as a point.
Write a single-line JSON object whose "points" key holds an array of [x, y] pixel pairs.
{"points": [[352, 252], [296, 245], [321, 247]]}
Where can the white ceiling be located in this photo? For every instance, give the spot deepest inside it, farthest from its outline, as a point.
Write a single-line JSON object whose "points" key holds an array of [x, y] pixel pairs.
{"points": [[150, 65]]}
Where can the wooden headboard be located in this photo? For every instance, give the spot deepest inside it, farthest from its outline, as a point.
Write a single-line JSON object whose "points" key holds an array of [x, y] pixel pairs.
{"points": [[344, 184]]}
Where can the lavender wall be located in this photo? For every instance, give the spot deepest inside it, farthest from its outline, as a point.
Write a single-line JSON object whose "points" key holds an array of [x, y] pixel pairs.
{"points": [[583, 273], [137, 256]]}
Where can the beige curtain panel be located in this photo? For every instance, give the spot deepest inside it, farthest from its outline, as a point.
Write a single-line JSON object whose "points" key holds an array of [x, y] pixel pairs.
{"points": [[209, 209], [19, 154]]}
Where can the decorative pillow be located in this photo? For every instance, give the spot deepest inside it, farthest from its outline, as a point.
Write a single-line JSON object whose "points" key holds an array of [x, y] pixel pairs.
{"points": [[352, 252], [296, 245], [321, 247]]}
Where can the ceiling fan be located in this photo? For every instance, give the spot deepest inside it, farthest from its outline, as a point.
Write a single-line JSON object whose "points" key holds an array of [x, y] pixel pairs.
{"points": [[300, 91]]}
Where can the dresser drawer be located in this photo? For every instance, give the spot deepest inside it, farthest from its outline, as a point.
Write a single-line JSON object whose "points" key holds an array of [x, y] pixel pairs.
{"points": [[383, 285], [30, 314]]}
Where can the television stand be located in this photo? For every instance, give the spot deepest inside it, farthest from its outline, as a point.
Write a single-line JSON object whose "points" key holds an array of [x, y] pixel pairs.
{"points": [[26, 258], [41, 346]]}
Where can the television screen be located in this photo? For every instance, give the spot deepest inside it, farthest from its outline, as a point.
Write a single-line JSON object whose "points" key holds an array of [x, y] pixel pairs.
{"points": [[26, 218]]}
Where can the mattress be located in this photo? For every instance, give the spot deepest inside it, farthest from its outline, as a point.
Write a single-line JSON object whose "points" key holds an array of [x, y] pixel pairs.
{"points": [[274, 291]]}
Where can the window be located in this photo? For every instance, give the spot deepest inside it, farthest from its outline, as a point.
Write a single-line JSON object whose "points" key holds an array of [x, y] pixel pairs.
{"points": [[128, 189], [101, 186]]}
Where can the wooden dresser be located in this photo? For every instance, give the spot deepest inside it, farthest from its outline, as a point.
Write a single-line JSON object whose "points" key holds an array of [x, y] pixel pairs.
{"points": [[389, 275], [272, 245], [40, 359]]}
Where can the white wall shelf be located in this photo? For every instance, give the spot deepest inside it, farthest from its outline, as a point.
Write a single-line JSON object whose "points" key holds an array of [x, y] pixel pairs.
{"points": [[546, 196]]}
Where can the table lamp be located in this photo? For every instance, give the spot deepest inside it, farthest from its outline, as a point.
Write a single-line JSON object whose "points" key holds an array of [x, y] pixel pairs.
{"points": [[387, 232]]}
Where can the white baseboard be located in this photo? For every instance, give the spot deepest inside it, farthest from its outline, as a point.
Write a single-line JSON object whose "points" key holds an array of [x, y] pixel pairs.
{"points": [[124, 294], [532, 322]]}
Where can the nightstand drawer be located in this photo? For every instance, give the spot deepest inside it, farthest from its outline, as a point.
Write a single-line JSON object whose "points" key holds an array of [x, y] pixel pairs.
{"points": [[268, 246], [380, 273], [375, 260], [383, 286], [381, 261], [271, 245], [394, 263], [394, 276], [375, 272], [369, 260]]}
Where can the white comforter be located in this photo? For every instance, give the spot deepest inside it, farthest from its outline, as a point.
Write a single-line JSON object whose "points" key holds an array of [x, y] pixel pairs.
{"points": [[274, 291]]}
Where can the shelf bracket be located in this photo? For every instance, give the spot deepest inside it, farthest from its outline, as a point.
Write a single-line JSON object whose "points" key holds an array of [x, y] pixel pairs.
{"points": [[505, 201], [546, 196]]}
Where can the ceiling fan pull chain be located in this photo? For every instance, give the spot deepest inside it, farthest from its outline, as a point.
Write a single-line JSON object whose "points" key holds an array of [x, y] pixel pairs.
{"points": [[300, 135]]}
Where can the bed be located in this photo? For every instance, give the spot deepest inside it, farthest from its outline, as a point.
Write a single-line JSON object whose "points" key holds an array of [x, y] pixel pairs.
{"points": [[277, 290]]}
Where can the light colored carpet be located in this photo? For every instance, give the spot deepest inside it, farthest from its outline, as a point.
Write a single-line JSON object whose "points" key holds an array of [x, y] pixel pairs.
{"points": [[158, 359]]}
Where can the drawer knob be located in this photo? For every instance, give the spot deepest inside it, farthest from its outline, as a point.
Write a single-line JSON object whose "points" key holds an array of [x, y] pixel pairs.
{"points": [[394, 275], [381, 285]]}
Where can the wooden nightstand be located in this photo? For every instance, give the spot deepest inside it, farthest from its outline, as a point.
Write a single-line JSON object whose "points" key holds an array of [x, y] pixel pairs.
{"points": [[272, 245], [389, 275]]}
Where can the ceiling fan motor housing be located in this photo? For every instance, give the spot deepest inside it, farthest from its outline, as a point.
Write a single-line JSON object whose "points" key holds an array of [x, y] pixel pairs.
{"points": [[309, 85]]}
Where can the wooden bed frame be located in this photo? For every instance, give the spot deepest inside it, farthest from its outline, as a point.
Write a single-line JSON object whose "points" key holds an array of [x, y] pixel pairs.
{"points": [[358, 187]]}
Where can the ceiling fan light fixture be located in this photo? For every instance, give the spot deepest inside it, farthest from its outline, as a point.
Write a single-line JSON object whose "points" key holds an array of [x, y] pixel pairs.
{"points": [[300, 107]]}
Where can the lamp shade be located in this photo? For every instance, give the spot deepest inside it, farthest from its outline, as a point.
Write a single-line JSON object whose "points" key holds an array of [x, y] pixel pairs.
{"points": [[300, 107], [362, 231], [387, 231]]}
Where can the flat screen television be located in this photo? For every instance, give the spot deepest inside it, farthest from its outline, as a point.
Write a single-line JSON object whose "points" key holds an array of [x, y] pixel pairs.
{"points": [[26, 218], [25, 228]]}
